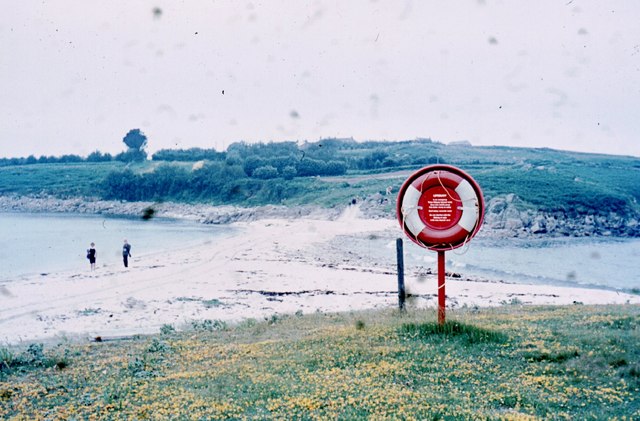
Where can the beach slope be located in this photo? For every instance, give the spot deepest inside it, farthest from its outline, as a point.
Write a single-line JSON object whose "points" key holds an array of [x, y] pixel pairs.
{"points": [[269, 267]]}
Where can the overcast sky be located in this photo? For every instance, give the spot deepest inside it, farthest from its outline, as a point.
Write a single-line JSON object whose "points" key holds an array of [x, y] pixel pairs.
{"points": [[75, 76]]}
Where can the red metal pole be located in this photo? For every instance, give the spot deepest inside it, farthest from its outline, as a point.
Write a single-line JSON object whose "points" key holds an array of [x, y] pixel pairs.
{"points": [[441, 294]]}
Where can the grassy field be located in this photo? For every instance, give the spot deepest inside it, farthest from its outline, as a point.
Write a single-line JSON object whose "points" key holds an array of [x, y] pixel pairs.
{"points": [[514, 362], [62, 180]]}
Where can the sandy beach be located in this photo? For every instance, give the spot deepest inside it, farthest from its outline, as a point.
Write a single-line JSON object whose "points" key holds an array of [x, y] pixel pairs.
{"points": [[272, 266]]}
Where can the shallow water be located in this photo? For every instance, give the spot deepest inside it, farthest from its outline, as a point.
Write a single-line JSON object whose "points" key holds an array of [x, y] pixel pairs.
{"points": [[609, 263], [567, 261], [44, 243]]}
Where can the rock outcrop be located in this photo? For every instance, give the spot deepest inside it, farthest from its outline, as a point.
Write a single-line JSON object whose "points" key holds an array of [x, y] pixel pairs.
{"points": [[508, 216]]}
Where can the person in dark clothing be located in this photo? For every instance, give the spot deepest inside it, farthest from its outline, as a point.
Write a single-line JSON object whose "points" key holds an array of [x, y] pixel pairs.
{"points": [[126, 253], [91, 255]]}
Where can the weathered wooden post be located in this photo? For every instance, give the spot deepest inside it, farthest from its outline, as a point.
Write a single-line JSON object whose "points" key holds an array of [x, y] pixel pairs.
{"points": [[400, 258]]}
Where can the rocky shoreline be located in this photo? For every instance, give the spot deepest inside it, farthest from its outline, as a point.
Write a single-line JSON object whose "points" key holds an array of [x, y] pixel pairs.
{"points": [[504, 216], [508, 215], [202, 213]]}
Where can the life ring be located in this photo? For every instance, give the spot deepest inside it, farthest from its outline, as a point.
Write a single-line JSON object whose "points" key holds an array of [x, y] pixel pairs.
{"points": [[440, 207]]}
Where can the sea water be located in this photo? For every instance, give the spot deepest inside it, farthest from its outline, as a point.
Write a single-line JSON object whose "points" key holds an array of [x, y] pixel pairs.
{"points": [[576, 262], [45, 243], [585, 262]]}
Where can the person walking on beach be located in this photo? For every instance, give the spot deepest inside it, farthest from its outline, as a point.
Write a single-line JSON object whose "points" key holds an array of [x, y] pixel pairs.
{"points": [[91, 255], [126, 253]]}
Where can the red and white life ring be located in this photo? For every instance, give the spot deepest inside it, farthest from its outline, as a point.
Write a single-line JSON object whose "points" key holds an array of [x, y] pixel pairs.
{"points": [[440, 207]]}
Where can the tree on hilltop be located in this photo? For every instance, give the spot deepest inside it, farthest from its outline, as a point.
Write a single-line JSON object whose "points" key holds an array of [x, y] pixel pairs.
{"points": [[135, 141]]}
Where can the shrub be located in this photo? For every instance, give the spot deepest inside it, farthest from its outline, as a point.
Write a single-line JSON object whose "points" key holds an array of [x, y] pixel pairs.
{"points": [[7, 359], [265, 173], [191, 154], [97, 156], [35, 354], [335, 168], [251, 164], [167, 329], [208, 325], [158, 345], [309, 167], [289, 172], [132, 155], [139, 368]]}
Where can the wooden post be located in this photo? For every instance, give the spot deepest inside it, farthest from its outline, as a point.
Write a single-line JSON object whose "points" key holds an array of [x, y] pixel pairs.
{"points": [[441, 292], [400, 257]]}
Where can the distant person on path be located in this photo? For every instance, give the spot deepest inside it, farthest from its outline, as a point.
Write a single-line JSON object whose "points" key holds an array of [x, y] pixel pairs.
{"points": [[91, 255], [126, 253]]}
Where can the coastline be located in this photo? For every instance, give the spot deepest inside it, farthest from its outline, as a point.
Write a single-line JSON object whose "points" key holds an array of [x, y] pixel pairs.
{"points": [[277, 265], [505, 217], [202, 213]]}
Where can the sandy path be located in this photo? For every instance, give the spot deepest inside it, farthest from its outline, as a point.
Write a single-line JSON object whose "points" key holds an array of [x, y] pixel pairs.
{"points": [[272, 266]]}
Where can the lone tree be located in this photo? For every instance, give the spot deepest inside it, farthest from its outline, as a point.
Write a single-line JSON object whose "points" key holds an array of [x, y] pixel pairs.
{"points": [[135, 141]]}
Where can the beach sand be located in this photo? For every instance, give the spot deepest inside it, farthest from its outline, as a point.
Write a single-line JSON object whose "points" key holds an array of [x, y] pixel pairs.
{"points": [[276, 266]]}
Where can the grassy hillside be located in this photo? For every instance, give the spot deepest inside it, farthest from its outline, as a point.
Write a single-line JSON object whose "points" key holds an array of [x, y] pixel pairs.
{"points": [[249, 175], [62, 180], [577, 362]]}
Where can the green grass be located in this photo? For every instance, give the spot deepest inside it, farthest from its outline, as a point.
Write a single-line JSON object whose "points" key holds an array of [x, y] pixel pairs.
{"points": [[312, 191], [575, 189], [576, 362], [61, 180], [470, 334]]}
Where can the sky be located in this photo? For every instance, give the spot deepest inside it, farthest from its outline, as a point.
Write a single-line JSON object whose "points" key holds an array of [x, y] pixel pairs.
{"points": [[77, 75]]}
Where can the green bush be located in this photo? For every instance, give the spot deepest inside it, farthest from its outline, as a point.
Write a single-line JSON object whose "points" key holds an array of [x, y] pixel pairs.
{"points": [[265, 173], [289, 172], [208, 325]]}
